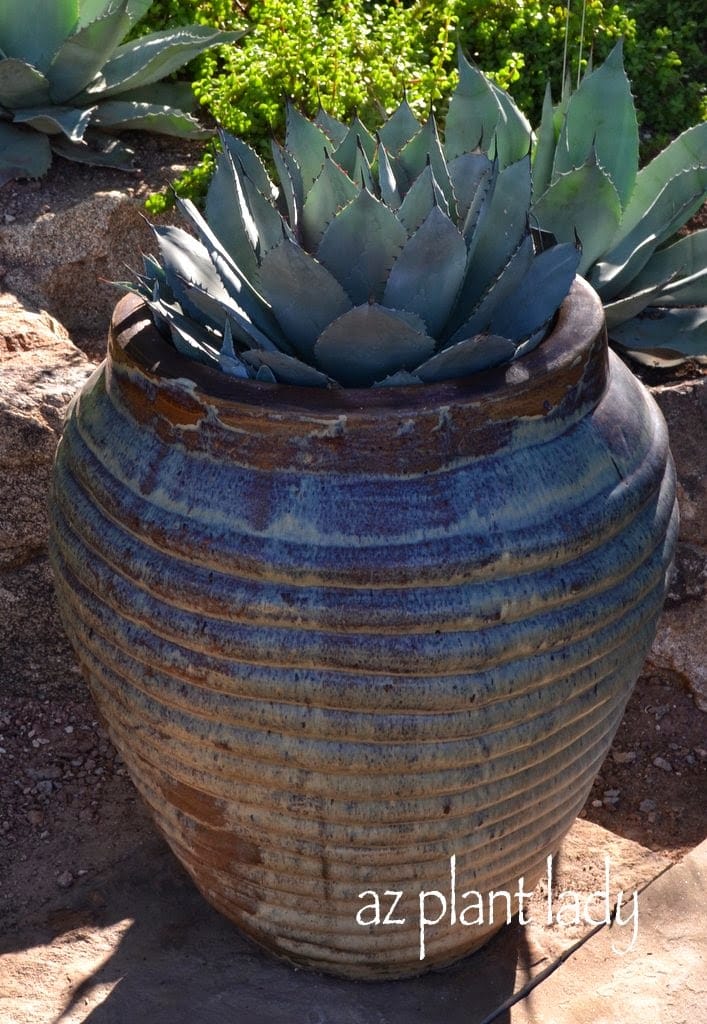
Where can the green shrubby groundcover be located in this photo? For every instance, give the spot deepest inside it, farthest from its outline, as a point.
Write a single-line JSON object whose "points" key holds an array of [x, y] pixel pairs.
{"points": [[359, 57]]}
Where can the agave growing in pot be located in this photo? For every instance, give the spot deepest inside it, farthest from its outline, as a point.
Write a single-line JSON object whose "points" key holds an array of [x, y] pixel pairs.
{"points": [[390, 260], [586, 179], [67, 84], [349, 640]]}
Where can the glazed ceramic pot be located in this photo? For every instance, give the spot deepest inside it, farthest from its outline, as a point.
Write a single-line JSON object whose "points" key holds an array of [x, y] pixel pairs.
{"points": [[348, 642]]}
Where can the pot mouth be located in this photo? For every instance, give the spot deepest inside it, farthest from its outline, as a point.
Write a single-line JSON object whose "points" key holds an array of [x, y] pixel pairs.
{"points": [[578, 339]]}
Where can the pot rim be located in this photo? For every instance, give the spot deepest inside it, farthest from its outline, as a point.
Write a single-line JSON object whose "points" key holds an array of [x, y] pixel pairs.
{"points": [[577, 339]]}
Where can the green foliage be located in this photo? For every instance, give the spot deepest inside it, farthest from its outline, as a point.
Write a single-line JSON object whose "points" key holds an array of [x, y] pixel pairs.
{"points": [[522, 45], [667, 63], [376, 262], [67, 84], [351, 57]]}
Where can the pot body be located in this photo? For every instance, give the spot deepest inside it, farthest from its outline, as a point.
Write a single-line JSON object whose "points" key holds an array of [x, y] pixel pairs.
{"points": [[349, 643]]}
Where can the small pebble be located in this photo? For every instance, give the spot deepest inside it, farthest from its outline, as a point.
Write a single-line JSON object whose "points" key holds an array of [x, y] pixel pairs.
{"points": [[65, 879], [647, 805], [624, 756], [597, 803], [660, 762]]}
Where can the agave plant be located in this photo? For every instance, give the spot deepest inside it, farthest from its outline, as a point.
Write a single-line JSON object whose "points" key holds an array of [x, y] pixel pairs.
{"points": [[66, 83], [586, 179], [381, 260]]}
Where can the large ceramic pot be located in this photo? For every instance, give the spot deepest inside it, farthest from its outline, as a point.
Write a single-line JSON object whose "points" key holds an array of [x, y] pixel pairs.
{"points": [[349, 641]]}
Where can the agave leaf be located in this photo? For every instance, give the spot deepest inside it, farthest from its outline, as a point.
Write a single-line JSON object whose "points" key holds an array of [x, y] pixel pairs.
{"points": [[164, 94], [97, 150], [21, 85], [187, 259], [186, 341], [83, 54], [530, 343], [247, 299], [513, 132], [33, 30], [664, 337], [399, 379], [245, 157], [480, 203], [116, 114], [540, 294], [54, 120], [582, 201], [189, 338], [210, 310], [362, 173], [334, 129], [265, 375], [399, 129], [469, 173], [291, 185], [424, 195], [303, 295], [23, 153], [544, 152], [387, 180], [137, 9], [330, 193], [688, 150], [601, 116], [370, 342], [360, 246], [90, 10], [676, 203], [680, 269], [287, 369], [480, 352], [347, 153], [423, 149], [307, 143], [154, 56], [228, 361], [500, 230], [474, 112], [269, 224], [631, 305], [427, 274], [228, 212], [502, 289]]}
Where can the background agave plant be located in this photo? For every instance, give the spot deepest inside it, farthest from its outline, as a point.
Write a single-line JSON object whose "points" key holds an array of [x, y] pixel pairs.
{"points": [[586, 179], [377, 261], [66, 83]]}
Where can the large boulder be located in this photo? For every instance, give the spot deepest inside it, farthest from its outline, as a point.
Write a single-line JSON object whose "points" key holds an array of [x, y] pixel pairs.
{"points": [[40, 370], [64, 239]]}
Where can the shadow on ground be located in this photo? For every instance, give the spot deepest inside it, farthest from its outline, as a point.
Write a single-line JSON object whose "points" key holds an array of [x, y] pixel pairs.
{"points": [[170, 959]]}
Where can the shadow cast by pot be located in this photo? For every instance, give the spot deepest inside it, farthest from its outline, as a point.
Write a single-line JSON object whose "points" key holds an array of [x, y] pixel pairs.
{"points": [[179, 961]]}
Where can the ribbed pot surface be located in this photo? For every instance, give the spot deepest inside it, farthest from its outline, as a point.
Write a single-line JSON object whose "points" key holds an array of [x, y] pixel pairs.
{"points": [[341, 638]]}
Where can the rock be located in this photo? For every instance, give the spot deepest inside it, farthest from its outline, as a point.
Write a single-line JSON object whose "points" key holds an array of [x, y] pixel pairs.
{"points": [[660, 762], [64, 242], [679, 644], [623, 757], [65, 880], [684, 406], [65, 260], [40, 370]]}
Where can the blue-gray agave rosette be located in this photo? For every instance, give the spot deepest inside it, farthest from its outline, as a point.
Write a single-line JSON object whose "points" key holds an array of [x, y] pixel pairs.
{"points": [[389, 260], [68, 82]]}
